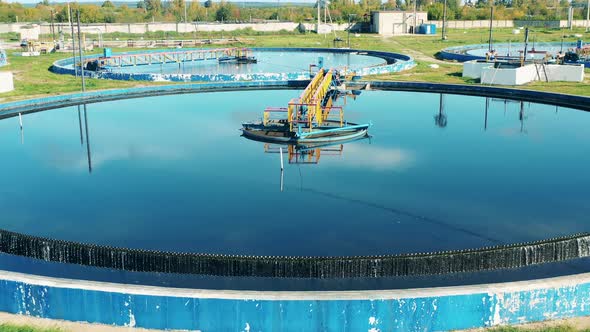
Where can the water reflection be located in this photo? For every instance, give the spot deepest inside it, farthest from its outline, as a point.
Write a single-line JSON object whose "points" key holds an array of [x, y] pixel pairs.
{"points": [[87, 139], [440, 119], [306, 154], [181, 179], [521, 111]]}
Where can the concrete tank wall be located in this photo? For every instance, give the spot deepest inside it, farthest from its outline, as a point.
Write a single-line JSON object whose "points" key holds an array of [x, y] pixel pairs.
{"points": [[472, 69], [567, 73], [6, 81], [529, 73], [428, 309]]}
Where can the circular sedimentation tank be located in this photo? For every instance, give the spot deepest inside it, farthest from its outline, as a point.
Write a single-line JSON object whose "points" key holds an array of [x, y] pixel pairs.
{"points": [[203, 65], [535, 51], [154, 212]]}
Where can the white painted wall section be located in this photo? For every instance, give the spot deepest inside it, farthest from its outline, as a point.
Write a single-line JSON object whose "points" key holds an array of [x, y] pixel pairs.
{"points": [[529, 73], [6, 81], [567, 73], [472, 69]]}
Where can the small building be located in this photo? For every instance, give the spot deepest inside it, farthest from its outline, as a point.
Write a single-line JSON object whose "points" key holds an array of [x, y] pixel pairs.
{"points": [[30, 32], [396, 22]]}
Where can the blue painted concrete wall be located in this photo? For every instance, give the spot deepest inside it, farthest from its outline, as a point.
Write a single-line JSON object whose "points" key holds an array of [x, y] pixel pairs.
{"points": [[430, 313]]}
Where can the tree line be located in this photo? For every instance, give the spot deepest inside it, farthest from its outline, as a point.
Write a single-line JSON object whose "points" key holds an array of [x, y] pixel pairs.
{"points": [[340, 11]]}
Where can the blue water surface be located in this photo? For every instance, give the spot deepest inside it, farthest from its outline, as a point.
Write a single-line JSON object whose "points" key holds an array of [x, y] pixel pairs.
{"points": [[173, 173], [267, 62]]}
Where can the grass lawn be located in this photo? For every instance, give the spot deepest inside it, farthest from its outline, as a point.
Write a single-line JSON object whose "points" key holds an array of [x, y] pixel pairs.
{"points": [[33, 79], [23, 328]]}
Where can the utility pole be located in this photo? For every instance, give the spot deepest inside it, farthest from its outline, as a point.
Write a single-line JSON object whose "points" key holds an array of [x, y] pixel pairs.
{"points": [[73, 39], [52, 26], [526, 45], [80, 51], [185, 20], [319, 18], [444, 37], [588, 16], [491, 26], [415, 18], [349, 27]]}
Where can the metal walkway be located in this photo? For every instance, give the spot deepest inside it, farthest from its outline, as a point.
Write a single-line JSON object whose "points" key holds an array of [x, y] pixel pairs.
{"points": [[313, 106], [138, 59]]}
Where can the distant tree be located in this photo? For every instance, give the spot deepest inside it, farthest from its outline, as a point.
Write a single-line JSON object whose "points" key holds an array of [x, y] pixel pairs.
{"points": [[107, 4], [109, 18], [482, 3], [223, 13], [91, 14], [153, 6], [208, 4], [435, 11], [176, 8]]}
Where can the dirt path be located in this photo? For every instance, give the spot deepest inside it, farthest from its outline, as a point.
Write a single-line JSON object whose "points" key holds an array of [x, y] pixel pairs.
{"points": [[579, 323], [416, 54], [65, 326]]}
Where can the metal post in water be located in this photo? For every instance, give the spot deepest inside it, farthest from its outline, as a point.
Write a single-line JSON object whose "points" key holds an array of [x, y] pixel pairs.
{"points": [[81, 61], [282, 172], [281, 153]]}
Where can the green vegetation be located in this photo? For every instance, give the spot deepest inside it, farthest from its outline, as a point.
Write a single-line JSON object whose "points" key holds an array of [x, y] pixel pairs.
{"points": [[23, 328], [33, 79], [340, 10]]}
